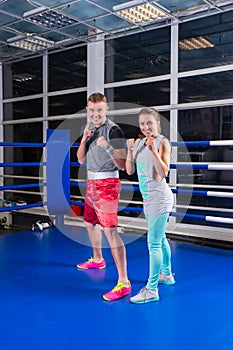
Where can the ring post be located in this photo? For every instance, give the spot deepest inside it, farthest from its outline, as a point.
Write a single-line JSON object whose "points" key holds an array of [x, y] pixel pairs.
{"points": [[58, 173]]}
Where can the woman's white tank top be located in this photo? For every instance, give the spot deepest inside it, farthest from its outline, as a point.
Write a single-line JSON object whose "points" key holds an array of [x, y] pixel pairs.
{"points": [[157, 195]]}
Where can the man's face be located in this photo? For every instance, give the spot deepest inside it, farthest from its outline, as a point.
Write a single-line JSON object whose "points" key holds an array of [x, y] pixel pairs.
{"points": [[97, 112]]}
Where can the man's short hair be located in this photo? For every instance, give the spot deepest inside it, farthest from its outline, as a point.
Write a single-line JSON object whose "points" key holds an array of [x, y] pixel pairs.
{"points": [[97, 97]]}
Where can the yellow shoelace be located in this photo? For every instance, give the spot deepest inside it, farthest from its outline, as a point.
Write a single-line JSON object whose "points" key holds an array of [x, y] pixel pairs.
{"points": [[119, 286]]}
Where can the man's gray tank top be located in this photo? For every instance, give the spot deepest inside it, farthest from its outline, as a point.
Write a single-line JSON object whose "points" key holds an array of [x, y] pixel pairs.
{"points": [[97, 159], [157, 196]]}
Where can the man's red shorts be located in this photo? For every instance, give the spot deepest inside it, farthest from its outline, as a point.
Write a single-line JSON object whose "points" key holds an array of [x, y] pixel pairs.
{"points": [[101, 202]]}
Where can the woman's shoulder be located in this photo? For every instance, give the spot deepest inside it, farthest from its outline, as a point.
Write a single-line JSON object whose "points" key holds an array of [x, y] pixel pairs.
{"points": [[139, 141], [162, 138], [164, 141]]}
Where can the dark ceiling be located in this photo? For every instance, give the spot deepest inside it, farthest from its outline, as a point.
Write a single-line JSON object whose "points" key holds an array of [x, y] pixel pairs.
{"points": [[86, 19]]}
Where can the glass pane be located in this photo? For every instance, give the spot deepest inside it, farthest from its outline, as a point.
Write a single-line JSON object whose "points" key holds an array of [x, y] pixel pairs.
{"points": [[76, 30], [27, 27], [67, 104], [53, 3], [150, 94], [206, 87], [205, 124], [206, 42], [17, 8], [23, 133], [23, 78], [84, 10], [109, 3], [138, 56], [208, 124], [181, 5], [108, 23], [68, 69], [23, 109]]}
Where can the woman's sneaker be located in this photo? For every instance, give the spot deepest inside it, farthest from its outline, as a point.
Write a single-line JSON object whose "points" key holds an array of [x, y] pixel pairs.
{"points": [[167, 279], [92, 264], [145, 296], [118, 292]]}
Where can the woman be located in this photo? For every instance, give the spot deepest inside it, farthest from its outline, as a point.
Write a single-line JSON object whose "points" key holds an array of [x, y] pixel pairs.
{"points": [[152, 157]]}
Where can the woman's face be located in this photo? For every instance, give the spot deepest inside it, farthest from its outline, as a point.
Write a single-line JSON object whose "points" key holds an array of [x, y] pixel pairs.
{"points": [[148, 125]]}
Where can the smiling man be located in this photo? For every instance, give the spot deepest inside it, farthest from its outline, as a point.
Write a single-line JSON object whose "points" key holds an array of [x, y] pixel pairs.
{"points": [[102, 148]]}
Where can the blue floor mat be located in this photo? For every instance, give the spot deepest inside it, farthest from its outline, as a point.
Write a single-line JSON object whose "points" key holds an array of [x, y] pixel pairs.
{"points": [[46, 303]]}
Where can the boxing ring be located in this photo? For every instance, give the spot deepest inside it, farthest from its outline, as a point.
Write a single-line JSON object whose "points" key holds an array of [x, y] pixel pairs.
{"points": [[56, 185], [46, 303]]}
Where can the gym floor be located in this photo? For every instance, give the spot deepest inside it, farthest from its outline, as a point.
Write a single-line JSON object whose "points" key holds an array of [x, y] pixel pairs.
{"points": [[46, 303]]}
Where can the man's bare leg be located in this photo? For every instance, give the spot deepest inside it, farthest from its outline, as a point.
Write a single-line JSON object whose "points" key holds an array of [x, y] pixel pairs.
{"points": [[95, 236], [118, 252]]}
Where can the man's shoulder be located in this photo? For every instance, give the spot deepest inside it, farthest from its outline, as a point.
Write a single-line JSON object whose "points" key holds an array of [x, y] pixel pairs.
{"points": [[112, 124], [114, 129]]}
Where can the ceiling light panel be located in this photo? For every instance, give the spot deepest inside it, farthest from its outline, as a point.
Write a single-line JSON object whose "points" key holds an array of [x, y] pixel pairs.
{"points": [[142, 13], [30, 43], [195, 43], [52, 19], [21, 78]]}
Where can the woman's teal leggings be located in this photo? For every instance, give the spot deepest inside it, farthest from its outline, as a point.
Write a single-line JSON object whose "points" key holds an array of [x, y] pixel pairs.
{"points": [[159, 248]]}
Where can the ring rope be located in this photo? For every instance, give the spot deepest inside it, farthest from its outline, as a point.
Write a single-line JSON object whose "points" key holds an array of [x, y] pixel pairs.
{"points": [[204, 143], [15, 164], [206, 166], [191, 143], [22, 144], [134, 186], [203, 217], [223, 187], [192, 192], [19, 207], [176, 214], [195, 166], [2, 188], [24, 192], [195, 207], [22, 177], [176, 144], [225, 210], [205, 193]]}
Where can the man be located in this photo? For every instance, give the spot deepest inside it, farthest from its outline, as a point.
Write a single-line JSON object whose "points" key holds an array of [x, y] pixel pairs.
{"points": [[102, 148]]}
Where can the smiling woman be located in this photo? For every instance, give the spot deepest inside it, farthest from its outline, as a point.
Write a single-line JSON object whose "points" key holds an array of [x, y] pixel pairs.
{"points": [[152, 160]]}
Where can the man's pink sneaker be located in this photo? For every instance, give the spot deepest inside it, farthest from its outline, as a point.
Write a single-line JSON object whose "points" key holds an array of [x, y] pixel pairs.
{"points": [[92, 264], [118, 292]]}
